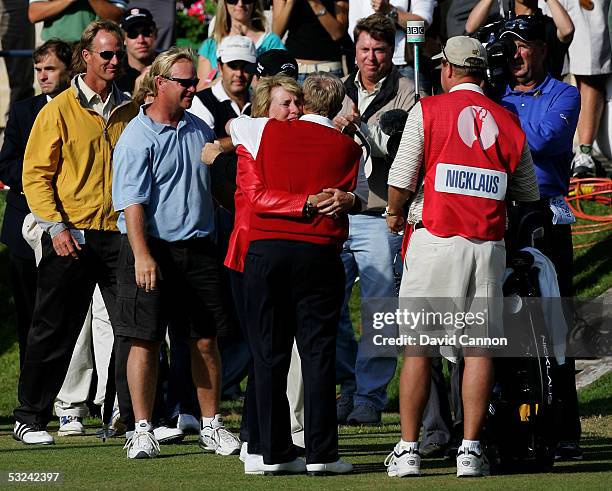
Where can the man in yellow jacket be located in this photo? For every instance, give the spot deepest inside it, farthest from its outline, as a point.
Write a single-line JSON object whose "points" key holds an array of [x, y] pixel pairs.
{"points": [[67, 176]]}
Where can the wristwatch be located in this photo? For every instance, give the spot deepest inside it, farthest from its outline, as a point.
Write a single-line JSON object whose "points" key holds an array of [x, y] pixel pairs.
{"points": [[321, 12], [392, 14], [309, 209]]}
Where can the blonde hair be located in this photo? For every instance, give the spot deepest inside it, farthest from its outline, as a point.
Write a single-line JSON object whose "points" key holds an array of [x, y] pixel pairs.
{"points": [[323, 94], [223, 21], [147, 88], [162, 66], [263, 93], [87, 39]]}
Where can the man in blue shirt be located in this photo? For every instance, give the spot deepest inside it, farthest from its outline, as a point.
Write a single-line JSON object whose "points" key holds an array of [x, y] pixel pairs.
{"points": [[167, 269], [548, 110]]}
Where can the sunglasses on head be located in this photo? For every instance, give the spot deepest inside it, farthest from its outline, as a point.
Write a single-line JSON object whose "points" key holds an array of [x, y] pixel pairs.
{"points": [[244, 2], [184, 82], [134, 32], [528, 27], [108, 55]]}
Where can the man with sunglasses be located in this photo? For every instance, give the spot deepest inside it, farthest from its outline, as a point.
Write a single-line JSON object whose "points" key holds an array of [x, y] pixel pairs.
{"points": [[67, 171], [548, 110], [168, 272], [140, 36]]}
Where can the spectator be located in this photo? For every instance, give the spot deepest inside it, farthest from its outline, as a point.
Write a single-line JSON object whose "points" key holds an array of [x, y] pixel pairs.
{"points": [[549, 121], [400, 12], [66, 19], [590, 62], [234, 18], [140, 33], [287, 257], [51, 64], [374, 87], [558, 28], [16, 32], [175, 269], [229, 98], [164, 14], [66, 165], [441, 240], [316, 31]]}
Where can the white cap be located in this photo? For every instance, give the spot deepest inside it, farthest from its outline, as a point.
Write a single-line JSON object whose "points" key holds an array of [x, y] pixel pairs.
{"points": [[464, 51], [234, 48]]}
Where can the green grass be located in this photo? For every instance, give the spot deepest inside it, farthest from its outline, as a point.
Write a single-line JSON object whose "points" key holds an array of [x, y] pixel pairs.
{"points": [[86, 462], [593, 265]]}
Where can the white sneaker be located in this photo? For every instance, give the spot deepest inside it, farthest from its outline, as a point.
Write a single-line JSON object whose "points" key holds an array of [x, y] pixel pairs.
{"points": [[218, 439], [188, 423], [403, 462], [254, 464], [583, 165], [117, 426], [297, 466], [244, 451], [338, 467], [71, 426], [166, 435], [471, 464], [32, 434], [142, 444]]}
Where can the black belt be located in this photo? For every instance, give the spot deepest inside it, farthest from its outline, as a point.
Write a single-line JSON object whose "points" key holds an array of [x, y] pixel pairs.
{"points": [[418, 225]]}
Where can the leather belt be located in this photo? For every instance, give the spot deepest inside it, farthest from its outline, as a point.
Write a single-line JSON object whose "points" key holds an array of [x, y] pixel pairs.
{"points": [[418, 225]]}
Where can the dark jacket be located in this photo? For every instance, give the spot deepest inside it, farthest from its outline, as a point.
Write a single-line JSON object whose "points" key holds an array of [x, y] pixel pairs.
{"points": [[20, 121]]}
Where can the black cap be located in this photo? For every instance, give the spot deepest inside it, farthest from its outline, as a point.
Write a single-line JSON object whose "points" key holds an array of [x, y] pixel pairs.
{"points": [[273, 62], [135, 16], [526, 27]]}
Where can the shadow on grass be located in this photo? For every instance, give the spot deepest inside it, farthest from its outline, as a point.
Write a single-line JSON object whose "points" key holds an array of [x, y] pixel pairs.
{"points": [[599, 255]]}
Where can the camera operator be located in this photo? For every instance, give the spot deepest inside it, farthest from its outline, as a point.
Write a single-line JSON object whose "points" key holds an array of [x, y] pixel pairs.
{"points": [[548, 111], [558, 27]]}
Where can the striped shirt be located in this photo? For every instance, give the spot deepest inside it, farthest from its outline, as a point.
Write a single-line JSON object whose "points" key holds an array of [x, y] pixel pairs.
{"points": [[407, 169]]}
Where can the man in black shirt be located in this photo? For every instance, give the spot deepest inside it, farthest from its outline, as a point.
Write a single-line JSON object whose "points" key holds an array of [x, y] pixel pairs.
{"points": [[139, 38]]}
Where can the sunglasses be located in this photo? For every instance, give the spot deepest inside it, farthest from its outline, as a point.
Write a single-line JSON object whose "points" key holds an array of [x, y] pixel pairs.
{"points": [[529, 27], [108, 55], [184, 82], [244, 2], [134, 32]]}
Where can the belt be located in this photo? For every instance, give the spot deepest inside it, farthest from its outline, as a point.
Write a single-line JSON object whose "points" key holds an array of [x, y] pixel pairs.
{"points": [[326, 66], [418, 225]]}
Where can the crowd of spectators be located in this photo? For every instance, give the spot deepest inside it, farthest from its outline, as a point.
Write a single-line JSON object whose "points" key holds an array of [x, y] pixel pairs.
{"points": [[140, 171]]}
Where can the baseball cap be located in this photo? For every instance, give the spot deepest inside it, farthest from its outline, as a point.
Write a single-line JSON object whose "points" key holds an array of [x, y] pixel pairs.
{"points": [[525, 27], [234, 48], [463, 51], [136, 16], [273, 62]]}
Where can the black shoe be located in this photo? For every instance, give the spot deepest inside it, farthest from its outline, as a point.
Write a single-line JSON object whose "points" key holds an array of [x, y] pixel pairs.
{"points": [[344, 407], [433, 450], [363, 415], [568, 451]]}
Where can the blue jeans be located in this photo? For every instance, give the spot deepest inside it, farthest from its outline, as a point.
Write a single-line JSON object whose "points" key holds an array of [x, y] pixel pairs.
{"points": [[370, 252]]}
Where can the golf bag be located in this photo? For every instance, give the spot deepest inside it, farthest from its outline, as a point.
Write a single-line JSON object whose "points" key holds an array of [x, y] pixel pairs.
{"points": [[520, 423]]}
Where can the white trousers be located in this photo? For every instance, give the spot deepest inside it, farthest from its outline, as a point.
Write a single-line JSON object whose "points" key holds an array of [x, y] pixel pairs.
{"points": [[96, 330]]}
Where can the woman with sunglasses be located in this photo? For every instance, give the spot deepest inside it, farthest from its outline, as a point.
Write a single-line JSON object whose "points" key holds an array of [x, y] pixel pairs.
{"points": [[234, 17], [316, 29]]}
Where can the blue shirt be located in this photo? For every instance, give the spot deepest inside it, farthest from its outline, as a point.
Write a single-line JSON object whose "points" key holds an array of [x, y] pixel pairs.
{"points": [[158, 166], [548, 115]]}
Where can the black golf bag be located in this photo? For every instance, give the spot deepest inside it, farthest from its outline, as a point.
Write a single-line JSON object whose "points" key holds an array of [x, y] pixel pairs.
{"points": [[520, 424]]}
